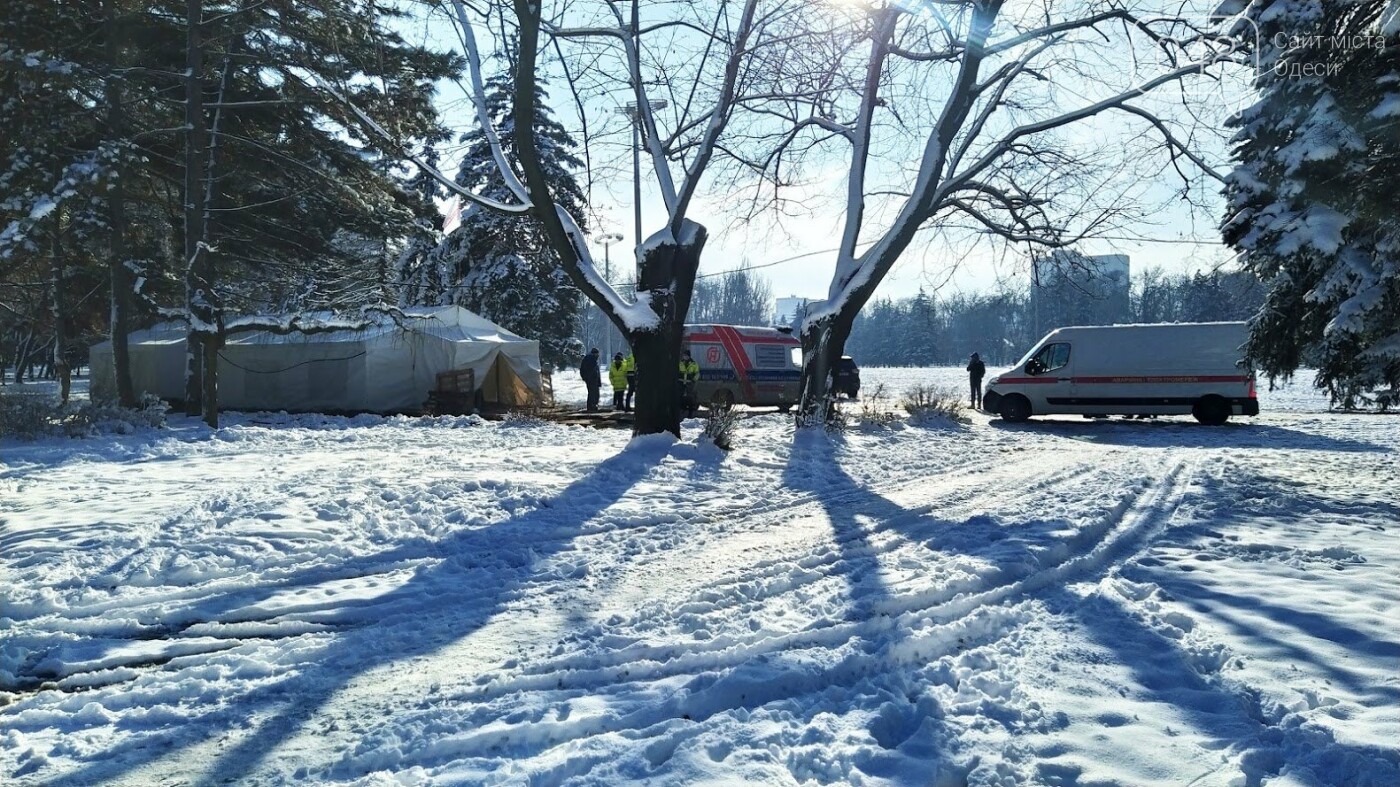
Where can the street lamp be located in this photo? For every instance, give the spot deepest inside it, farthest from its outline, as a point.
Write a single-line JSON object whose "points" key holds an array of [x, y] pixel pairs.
{"points": [[630, 110], [607, 241]]}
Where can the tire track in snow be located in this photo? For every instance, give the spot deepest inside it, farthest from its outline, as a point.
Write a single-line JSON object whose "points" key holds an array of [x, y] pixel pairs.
{"points": [[922, 628], [941, 604], [967, 479], [831, 554], [115, 618]]}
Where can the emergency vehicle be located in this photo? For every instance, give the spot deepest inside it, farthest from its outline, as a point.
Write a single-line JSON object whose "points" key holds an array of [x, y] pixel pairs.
{"points": [[745, 365], [1142, 370]]}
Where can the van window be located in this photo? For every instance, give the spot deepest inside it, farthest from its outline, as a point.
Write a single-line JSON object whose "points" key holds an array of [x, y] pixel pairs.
{"points": [[769, 356], [1053, 356]]}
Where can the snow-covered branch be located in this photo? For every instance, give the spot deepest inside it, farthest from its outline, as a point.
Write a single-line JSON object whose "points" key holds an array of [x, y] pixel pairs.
{"points": [[313, 81]]}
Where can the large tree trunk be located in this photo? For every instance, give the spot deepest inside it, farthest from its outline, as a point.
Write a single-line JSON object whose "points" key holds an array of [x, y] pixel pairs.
{"points": [[823, 344], [119, 276], [668, 279]]}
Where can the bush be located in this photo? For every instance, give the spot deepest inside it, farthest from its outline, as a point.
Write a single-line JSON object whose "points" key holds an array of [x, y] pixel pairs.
{"points": [[31, 417], [927, 403], [719, 427], [26, 416], [875, 410]]}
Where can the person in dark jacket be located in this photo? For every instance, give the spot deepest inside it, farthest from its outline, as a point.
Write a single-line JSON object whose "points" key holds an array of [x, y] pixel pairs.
{"points": [[975, 370], [592, 377]]}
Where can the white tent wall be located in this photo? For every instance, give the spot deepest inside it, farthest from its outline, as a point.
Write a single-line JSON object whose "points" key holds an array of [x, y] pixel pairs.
{"points": [[268, 372], [401, 367], [157, 365], [388, 367]]}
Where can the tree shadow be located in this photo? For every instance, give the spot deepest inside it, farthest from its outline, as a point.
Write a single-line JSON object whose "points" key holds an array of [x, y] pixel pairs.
{"points": [[1253, 502], [481, 570], [1182, 434], [814, 467], [1231, 718]]}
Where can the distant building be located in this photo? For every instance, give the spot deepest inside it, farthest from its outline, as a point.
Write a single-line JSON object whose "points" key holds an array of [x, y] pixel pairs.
{"points": [[1069, 288]]}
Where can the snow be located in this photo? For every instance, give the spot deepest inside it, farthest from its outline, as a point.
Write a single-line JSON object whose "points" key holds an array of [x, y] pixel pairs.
{"points": [[1389, 106], [374, 601]]}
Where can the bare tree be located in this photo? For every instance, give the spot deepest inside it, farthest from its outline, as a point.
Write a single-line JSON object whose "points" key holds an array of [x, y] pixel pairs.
{"points": [[992, 94], [700, 55], [755, 89]]}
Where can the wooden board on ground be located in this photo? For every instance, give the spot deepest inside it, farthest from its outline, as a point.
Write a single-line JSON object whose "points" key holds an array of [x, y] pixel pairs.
{"points": [[602, 419]]}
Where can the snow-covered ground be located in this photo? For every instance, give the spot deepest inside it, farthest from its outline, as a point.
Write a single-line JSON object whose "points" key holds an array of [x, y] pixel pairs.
{"points": [[398, 601]]}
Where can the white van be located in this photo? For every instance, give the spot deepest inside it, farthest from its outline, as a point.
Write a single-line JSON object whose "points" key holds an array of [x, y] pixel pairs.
{"points": [[745, 365], [1166, 369]]}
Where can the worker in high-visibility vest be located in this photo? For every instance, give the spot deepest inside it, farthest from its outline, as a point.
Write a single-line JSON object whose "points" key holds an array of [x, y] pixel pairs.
{"points": [[617, 375], [629, 365], [689, 376]]}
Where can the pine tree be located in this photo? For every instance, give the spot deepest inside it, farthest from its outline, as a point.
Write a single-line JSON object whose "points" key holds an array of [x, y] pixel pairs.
{"points": [[94, 140], [504, 267], [1312, 201]]}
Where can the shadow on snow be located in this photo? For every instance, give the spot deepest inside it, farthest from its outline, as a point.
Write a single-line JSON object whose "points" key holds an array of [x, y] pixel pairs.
{"points": [[439, 605]]}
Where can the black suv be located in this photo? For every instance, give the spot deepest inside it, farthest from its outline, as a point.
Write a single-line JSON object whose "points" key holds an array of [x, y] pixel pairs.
{"points": [[847, 378]]}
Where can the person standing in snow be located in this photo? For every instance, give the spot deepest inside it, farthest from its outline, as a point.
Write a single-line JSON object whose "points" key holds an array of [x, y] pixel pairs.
{"points": [[629, 366], [592, 378], [689, 376], [975, 370], [617, 375]]}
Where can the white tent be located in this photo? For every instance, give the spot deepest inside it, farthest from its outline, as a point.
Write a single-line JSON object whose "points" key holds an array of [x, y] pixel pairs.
{"points": [[388, 367]]}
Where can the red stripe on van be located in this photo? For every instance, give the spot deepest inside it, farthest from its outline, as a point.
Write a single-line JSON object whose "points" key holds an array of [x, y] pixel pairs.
{"points": [[1027, 381], [710, 337], [738, 356], [1188, 378]]}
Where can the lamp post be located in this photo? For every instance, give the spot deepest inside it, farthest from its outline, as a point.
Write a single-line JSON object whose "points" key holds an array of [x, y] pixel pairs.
{"points": [[607, 241], [630, 110]]}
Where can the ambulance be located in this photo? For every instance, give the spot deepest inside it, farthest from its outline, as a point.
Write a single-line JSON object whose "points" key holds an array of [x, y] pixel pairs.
{"points": [[745, 365], [1141, 370]]}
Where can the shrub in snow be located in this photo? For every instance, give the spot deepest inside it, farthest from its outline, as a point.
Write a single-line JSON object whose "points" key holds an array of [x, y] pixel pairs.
{"points": [[33, 417], [927, 404], [24, 416], [719, 427], [875, 409]]}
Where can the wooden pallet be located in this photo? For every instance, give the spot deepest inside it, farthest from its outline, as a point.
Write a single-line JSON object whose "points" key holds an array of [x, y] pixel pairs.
{"points": [[455, 393]]}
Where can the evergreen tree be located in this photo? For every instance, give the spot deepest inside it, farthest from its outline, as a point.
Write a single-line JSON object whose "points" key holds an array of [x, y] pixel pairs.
{"points": [[1312, 201], [503, 266], [291, 181]]}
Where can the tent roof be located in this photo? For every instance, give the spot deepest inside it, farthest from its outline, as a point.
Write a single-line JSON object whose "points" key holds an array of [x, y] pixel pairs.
{"points": [[451, 323]]}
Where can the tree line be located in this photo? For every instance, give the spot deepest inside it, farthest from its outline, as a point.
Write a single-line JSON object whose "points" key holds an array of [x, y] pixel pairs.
{"points": [[926, 330]]}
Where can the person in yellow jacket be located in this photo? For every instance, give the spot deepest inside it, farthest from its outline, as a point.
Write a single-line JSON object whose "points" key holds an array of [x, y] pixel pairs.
{"points": [[617, 375], [629, 365], [689, 376]]}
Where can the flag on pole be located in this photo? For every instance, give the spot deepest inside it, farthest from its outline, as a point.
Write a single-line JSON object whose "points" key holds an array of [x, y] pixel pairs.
{"points": [[452, 215]]}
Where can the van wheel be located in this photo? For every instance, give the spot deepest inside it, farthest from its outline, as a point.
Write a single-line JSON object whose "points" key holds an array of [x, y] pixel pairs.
{"points": [[723, 399], [1211, 410], [1015, 408]]}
